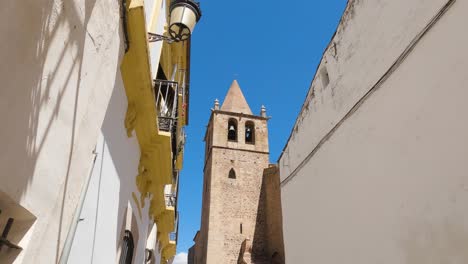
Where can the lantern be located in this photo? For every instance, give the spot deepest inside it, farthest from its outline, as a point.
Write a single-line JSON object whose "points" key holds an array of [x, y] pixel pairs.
{"points": [[184, 15]]}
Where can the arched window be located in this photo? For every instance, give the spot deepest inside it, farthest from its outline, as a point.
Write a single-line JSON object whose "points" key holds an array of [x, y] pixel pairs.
{"points": [[232, 129], [126, 256], [232, 174], [249, 132], [130, 237]]}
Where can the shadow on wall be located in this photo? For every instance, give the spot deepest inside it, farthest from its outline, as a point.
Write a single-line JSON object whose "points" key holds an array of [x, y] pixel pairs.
{"points": [[42, 53], [124, 152]]}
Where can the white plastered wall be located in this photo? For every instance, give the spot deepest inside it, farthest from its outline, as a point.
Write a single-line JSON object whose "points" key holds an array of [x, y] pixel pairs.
{"points": [[391, 184], [60, 62], [110, 194]]}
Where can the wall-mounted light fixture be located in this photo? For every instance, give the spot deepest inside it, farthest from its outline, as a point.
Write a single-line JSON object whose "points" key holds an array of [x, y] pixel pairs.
{"points": [[3, 237], [184, 16]]}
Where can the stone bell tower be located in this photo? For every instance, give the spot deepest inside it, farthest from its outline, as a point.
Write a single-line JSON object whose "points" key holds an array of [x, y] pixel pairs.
{"points": [[236, 155]]}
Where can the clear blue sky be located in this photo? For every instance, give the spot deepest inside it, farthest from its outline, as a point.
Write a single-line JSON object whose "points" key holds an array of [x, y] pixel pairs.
{"points": [[272, 48]]}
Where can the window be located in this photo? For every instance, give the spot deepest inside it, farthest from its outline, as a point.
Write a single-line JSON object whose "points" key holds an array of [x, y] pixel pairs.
{"points": [[130, 234], [249, 132], [232, 174], [324, 77], [127, 248], [232, 129]]}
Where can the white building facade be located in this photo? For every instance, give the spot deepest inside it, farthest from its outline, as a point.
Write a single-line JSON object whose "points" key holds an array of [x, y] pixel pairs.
{"points": [[375, 169], [82, 140]]}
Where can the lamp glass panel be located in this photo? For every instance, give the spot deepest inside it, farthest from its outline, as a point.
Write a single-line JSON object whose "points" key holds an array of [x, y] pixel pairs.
{"points": [[184, 15]]}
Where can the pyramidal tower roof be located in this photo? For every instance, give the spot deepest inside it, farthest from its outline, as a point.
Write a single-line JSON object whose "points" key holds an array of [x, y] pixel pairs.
{"points": [[235, 100]]}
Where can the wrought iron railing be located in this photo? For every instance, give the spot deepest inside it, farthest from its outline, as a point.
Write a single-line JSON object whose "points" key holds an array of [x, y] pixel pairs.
{"points": [[174, 236], [175, 179], [181, 143], [171, 199], [165, 95]]}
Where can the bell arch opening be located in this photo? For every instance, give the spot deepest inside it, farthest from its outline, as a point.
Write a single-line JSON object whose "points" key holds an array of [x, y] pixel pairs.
{"points": [[232, 129], [249, 132]]}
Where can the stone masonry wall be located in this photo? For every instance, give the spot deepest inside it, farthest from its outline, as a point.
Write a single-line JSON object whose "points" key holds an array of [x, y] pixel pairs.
{"points": [[234, 201], [272, 215]]}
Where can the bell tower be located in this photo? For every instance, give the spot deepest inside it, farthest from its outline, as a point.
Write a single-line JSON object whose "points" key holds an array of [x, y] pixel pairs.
{"points": [[236, 154]]}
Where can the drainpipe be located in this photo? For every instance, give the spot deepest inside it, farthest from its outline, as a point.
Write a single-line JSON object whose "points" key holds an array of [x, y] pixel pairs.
{"points": [[76, 217]]}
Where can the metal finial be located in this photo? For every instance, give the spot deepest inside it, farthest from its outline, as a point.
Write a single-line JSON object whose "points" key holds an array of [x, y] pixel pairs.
{"points": [[263, 111]]}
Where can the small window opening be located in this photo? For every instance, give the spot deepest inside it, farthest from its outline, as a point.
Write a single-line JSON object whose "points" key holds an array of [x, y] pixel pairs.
{"points": [[249, 132], [324, 77], [232, 130], [241, 228], [232, 174]]}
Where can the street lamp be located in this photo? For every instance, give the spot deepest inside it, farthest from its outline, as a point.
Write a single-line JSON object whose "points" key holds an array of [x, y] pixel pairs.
{"points": [[184, 15]]}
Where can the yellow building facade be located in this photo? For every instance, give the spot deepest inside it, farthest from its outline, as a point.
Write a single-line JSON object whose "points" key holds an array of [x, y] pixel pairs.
{"points": [[160, 162]]}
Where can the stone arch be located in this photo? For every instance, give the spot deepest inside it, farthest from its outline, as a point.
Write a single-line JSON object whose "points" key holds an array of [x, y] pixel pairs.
{"points": [[250, 132], [232, 129]]}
